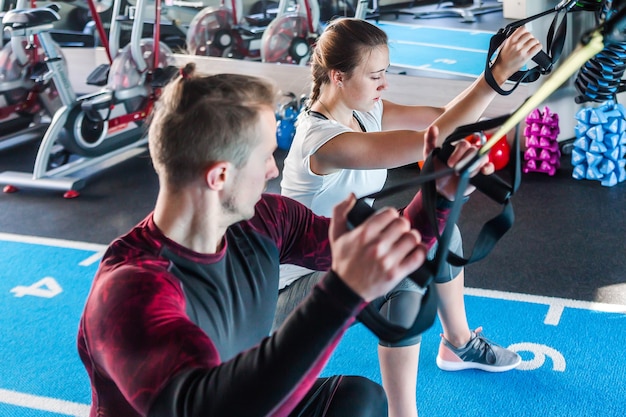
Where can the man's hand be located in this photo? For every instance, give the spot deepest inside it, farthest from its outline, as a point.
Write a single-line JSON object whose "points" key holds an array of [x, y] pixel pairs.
{"points": [[374, 257]]}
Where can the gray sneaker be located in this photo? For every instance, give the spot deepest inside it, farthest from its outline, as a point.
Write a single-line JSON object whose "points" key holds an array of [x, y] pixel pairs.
{"points": [[478, 353]]}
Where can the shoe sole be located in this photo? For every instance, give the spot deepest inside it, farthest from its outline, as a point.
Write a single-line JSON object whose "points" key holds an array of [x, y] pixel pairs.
{"points": [[461, 366]]}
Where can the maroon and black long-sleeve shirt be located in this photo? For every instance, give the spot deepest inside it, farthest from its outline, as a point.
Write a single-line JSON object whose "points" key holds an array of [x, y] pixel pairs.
{"points": [[170, 332]]}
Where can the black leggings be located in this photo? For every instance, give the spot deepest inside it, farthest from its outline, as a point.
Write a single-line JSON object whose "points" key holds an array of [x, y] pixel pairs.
{"points": [[343, 396]]}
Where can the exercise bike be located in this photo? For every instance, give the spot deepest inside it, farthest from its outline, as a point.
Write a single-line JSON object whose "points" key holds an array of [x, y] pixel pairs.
{"points": [[28, 97], [224, 31], [290, 37], [5, 6], [75, 28], [467, 10], [95, 131]]}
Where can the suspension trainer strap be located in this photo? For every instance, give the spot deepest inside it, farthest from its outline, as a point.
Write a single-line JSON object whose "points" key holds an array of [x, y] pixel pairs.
{"points": [[423, 277], [391, 332], [544, 60], [592, 42], [493, 186], [554, 44]]}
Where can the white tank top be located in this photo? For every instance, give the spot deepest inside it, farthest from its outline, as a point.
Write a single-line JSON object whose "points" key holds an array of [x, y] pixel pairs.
{"points": [[322, 192]]}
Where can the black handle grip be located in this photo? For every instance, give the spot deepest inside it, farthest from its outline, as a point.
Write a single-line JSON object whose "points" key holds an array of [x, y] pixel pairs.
{"points": [[359, 213], [544, 61], [492, 186]]}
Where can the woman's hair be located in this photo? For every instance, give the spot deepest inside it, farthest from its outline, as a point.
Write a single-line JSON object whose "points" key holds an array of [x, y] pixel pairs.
{"points": [[342, 46], [199, 120]]}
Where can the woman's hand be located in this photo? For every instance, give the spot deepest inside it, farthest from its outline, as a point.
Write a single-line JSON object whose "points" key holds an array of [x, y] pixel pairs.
{"points": [[515, 52], [447, 186]]}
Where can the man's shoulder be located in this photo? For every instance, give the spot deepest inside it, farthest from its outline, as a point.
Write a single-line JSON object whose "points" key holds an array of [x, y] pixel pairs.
{"points": [[275, 213], [136, 252], [277, 203]]}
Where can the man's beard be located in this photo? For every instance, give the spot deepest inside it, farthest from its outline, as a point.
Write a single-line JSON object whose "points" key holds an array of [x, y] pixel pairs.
{"points": [[232, 207]]}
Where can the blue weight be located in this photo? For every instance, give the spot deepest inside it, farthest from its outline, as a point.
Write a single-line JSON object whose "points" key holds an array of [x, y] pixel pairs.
{"points": [[285, 131], [597, 147], [607, 166], [582, 143], [593, 173]]}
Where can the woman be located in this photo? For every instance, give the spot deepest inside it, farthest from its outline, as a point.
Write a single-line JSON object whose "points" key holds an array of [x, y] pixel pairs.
{"points": [[345, 141]]}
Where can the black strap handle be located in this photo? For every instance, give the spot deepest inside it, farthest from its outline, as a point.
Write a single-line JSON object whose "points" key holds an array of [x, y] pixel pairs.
{"points": [[493, 186], [555, 41], [544, 61], [423, 277]]}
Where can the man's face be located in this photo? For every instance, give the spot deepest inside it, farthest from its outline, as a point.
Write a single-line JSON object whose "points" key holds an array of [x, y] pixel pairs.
{"points": [[250, 181]]}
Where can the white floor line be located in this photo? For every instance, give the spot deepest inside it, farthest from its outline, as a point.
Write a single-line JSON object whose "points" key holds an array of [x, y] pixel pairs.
{"points": [[434, 45], [61, 243], [550, 301], [36, 402], [538, 299], [411, 26]]}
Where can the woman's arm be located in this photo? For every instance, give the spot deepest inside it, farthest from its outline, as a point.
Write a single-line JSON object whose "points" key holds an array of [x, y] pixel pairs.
{"points": [[412, 117], [394, 148], [520, 47], [516, 51], [371, 150]]}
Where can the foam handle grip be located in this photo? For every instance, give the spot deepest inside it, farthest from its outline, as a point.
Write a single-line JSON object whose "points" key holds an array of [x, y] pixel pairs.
{"points": [[544, 61], [490, 185]]}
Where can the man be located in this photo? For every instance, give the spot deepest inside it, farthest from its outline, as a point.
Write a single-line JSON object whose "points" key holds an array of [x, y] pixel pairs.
{"points": [[178, 317]]}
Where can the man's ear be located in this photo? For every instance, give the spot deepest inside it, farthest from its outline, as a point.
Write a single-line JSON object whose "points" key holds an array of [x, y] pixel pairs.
{"points": [[216, 175]]}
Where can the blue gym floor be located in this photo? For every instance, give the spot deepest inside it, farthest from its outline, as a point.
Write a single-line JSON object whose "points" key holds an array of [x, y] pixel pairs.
{"points": [[570, 348]]}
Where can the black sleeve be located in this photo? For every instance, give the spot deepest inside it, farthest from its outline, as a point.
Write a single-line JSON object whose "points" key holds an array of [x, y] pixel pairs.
{"points": [[300, 235]]}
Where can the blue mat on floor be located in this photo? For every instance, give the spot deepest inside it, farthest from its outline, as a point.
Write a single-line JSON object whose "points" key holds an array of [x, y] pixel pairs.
{"points": [[573, 351], [573, 360], [437, 50]]}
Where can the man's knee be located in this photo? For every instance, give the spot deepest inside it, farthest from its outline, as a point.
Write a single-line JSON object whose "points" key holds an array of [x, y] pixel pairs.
{"points": [[359, 397]]}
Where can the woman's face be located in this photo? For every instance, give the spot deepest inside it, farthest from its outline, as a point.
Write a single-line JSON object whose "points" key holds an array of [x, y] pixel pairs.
{"points": [[368, 81]]}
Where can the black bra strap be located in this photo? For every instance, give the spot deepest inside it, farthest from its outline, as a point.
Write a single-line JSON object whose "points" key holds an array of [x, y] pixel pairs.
{"points": [[323, 116]]}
